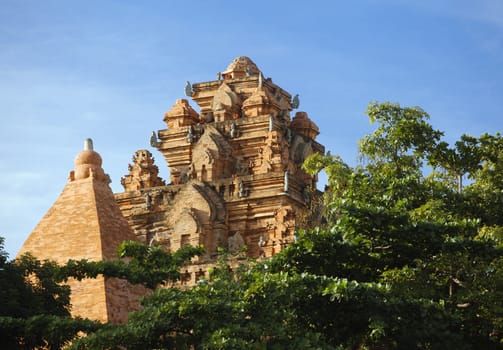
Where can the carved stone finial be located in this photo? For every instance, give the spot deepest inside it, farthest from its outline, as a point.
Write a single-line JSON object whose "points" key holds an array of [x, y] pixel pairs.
{"points": [[190, 135], [153, 140], [233, 131], [188, 89], [289, 136], [241, 190], [295, 102], [235, 242], [88, 164], [88, 145], [143, 173], [148, 201]]}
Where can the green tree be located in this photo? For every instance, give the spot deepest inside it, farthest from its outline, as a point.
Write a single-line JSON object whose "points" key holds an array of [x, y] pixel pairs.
{"points": [[424, 237], [35, 307], [150, 266], [34, 311], [249, 308]]}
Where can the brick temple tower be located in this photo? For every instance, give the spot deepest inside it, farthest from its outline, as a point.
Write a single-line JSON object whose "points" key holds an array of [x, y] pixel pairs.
{"points": [[235, 169], [236, 182], [86, 223]]}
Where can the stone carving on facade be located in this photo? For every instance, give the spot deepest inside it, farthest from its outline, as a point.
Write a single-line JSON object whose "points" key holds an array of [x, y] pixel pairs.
{"points": [[241, 167], [261, 241], [236, 242], [208, 117], [233, 133], [148, 201], [159, 239], [273, 155], [284, 115], [143, 173], [184, 176], [264, 160], [191, 172], [242, 191], [211, 155], [288, 135], [208, 157], [190, 134], [285, 222], [183, 227]]}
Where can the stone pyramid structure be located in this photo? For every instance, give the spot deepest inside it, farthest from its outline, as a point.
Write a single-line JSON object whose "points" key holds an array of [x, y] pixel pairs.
{"points": [[86, 223]]}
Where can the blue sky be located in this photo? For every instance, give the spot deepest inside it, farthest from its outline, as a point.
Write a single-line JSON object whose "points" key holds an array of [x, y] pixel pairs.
{"points": [[110, 69]]}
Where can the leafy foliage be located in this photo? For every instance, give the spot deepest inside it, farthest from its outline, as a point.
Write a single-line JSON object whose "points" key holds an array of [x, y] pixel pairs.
{"points": [[35, 308], [140, 264]]}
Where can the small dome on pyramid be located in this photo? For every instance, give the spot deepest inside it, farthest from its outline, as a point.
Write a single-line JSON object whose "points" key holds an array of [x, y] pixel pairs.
{"points": [[88, 164], [88, 155]]}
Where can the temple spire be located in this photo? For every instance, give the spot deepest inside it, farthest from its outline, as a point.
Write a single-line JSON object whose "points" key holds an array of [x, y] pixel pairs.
{"points": [[88, 145]]}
